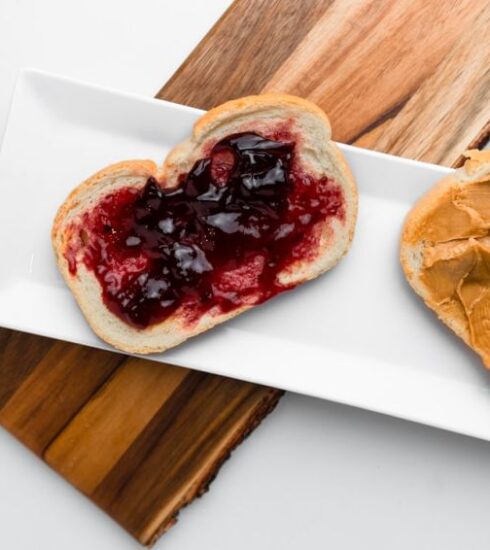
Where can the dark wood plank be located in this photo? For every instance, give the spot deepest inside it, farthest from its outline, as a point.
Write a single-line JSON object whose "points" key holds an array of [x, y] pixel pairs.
{"points": [[207, 409], [62, 381], [19, 354], [106, 428]]}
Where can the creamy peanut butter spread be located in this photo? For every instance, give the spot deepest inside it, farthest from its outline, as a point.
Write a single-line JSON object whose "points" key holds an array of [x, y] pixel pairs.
{"points": [[455, 262]]}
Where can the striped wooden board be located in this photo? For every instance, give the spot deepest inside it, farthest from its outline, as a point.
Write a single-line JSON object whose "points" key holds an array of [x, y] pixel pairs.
{"points": [[143, 439], [410, 78]]}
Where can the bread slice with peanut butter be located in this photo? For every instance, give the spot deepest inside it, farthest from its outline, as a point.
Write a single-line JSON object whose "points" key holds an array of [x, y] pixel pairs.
{"points": [[445, 251]]}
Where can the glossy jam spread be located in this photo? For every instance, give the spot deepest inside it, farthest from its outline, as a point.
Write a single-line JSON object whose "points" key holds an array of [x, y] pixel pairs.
{"points": [[215, 242]]}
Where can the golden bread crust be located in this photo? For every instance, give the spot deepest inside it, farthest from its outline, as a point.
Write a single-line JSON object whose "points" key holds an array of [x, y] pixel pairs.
{"points": [[173, 331], [444, 251]]}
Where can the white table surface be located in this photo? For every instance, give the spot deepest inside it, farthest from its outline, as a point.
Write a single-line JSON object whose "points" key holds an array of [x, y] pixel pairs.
{"points": [[315, 474]]}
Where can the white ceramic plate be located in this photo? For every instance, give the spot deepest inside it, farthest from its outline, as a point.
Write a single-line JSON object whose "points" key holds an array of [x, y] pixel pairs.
{"points": [[356, 335]]}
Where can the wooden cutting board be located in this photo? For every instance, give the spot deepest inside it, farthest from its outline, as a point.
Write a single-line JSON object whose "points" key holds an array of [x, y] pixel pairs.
{"points": [[143, 439]]}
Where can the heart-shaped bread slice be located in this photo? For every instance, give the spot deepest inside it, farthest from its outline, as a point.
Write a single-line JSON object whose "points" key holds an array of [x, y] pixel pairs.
{"points": [[256, 201], [445, 251]]}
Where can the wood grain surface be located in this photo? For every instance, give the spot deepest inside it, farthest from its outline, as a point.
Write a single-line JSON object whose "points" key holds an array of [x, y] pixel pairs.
{"points": [[143, 439], [407, 77]]}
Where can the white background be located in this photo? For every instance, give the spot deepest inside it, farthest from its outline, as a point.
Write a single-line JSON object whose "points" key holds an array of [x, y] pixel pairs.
{"points": [[315, 474]]}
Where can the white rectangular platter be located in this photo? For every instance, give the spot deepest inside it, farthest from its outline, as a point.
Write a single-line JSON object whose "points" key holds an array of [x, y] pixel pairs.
{"points": [[357, 335]]}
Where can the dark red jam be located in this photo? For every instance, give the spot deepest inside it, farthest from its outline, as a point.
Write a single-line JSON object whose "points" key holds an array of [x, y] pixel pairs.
{"points": [[216, 242]]}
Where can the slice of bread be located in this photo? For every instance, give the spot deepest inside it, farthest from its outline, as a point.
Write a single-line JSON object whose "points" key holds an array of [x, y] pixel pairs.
{"points": [[314, 151], [445, 251]]}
